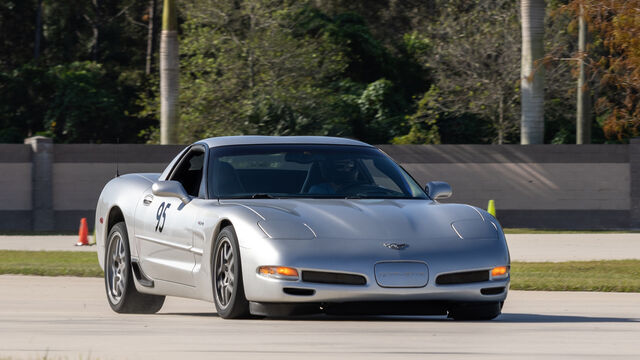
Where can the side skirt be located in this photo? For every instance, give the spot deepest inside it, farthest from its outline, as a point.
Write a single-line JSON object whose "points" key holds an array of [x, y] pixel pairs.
{"points": [[142, 278]]}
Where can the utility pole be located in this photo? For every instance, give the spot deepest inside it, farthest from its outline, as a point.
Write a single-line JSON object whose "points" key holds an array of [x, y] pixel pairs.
{"points": [[169, 72], [583, 103]]}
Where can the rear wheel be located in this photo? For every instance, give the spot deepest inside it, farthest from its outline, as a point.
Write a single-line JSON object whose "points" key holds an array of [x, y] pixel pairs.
{"points": [[476, 311], [228, 289], [118, 278]]}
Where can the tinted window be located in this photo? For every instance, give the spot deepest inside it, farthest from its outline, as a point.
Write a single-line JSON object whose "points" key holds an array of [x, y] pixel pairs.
{"points": [[311, 171], [189, 171]]}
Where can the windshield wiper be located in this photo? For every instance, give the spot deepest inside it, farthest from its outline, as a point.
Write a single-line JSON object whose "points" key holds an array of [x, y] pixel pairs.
{"points": [[380, 197], [262, 196], [355, 197]]}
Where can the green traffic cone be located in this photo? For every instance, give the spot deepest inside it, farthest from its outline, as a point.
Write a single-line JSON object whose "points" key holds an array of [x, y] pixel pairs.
{"points": [[491, 208]]}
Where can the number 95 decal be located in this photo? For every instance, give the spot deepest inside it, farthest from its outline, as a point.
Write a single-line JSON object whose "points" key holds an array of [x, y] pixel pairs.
{"points": [[161, 216]]}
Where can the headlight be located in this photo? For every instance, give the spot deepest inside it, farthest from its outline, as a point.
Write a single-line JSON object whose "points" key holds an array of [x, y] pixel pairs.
{"points": [[499, 272], [278, 272]]}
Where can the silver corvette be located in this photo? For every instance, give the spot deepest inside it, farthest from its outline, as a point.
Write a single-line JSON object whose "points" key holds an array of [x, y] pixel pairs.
{"points": [[279, 226]]}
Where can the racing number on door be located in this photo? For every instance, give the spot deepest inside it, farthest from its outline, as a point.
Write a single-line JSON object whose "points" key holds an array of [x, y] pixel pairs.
{"points": [[161, 215]]}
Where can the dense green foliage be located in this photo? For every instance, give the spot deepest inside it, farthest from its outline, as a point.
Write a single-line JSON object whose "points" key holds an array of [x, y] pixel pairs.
{"points": [[85, 83], [406, 72]]}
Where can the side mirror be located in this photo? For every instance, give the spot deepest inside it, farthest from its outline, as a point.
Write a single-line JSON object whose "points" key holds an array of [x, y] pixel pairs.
{"points": [[438, 190], [171, 188]]}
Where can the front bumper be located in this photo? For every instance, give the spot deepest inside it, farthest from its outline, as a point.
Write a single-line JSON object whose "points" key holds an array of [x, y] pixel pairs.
{"points": [[361, 258], [283, 291]]}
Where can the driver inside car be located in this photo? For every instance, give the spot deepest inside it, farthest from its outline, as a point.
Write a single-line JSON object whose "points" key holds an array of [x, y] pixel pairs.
{"points": [[340, 175]]}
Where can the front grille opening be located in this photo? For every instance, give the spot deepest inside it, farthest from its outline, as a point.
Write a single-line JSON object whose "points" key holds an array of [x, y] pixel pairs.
{"points": [[333, 278], [298, 291], [492, 291], [465, 277]]}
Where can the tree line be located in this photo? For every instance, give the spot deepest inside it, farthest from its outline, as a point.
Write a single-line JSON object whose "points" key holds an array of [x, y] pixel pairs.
{"points": [[383, 71]]}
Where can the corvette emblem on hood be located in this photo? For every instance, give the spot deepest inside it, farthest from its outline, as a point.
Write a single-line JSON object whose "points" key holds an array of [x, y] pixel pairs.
{"points": [[395, 246]]}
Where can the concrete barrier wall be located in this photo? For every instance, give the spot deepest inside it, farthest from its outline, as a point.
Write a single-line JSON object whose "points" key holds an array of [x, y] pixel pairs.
{"points": [[15, 187], [80, 171], [549, 186], [553, 186]]}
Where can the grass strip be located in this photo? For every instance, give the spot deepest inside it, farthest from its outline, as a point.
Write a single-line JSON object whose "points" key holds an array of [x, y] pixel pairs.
{"points": [[50, 263], [608, 275]]}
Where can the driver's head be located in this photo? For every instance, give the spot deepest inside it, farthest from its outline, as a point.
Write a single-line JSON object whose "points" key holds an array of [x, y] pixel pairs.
{"points": [[342, 171]]}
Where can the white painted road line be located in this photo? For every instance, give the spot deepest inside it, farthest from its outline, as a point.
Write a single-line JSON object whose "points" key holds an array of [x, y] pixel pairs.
{"points": [[573, 247], [68, 318], [43, 242]]}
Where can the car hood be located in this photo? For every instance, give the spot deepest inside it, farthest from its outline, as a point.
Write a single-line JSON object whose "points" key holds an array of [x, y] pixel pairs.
{"points": [[363, 219]]}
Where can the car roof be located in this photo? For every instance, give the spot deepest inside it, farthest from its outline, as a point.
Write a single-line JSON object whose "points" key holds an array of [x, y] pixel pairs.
{"points": [[261, 140]]}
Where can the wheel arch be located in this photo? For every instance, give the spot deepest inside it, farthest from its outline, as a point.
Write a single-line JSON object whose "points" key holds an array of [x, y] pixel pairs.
{"points": [[115, 216], [221, 225]]}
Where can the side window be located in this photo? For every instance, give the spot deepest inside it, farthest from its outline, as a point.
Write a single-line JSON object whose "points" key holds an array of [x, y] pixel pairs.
{"points": [[189, 171]]}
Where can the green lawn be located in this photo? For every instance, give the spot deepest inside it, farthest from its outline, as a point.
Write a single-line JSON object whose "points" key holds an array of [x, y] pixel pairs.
{"points": [[50, 263], [611, 275]]}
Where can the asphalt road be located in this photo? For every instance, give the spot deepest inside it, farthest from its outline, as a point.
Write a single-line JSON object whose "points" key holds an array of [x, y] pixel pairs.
{"points": [[68, 318], [523, 247]]}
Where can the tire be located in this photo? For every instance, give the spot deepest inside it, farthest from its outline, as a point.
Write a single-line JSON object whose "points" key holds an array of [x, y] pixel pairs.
{"points": [[228, 287], [476, 311], [118, 277]]}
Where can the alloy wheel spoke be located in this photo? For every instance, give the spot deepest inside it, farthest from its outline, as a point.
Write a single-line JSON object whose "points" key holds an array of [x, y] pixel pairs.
{"points": [[117, 268], [114, 284], [231, 262], [227, 252], [120, 287], [121, 251], [224, 272], [221, 263], [224, 295], [228, 293]]}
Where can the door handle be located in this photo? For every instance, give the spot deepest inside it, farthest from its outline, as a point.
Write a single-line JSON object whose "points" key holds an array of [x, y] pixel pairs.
{"points": [[147, 200]]}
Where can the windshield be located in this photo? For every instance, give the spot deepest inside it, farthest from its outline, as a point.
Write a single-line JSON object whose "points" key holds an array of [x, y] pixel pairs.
{"points": [[307, 171]]}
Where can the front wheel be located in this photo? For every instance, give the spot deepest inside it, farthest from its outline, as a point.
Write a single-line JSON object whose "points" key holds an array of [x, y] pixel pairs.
{"points": [[118, 279], [228, 290]]}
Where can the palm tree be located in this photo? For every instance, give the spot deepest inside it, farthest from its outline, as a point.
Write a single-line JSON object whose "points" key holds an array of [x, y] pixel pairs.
{"points": [[583, 112], [532, 72], [169, 65]]}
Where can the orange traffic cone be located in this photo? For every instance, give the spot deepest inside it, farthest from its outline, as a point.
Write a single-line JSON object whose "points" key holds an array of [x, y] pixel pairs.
{"points": [[83, 233]]}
